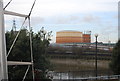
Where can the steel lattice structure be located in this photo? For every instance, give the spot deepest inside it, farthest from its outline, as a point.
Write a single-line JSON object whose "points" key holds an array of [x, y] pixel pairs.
{"points": [[3, 56]]}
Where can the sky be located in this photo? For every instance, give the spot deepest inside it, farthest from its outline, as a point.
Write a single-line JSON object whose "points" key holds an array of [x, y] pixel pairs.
{"points": [[98, 16]]}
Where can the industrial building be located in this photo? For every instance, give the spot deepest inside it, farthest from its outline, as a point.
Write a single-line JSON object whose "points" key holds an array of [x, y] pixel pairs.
{"points": [[70, 36]]}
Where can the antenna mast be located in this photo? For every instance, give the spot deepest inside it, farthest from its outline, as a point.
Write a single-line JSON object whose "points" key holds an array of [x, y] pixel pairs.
{"points": [[14, 25]]}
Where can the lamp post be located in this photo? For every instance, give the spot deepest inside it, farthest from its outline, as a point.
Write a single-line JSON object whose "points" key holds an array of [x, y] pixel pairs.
{"points": [[96, 36], [46, 37], [43, 32], [49, 35]]}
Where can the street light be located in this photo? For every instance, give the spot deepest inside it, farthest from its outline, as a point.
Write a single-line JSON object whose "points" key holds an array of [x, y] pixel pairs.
{"points": [[43, 32], [96, 36], [49, 35]]}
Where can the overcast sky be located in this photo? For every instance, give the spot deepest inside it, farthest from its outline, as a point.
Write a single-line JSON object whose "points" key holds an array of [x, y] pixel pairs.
{"points": [[98, 16]]}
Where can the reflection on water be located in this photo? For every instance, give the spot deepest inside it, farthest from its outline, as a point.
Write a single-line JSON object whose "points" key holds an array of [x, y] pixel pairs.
{"points": [[79, 74]]}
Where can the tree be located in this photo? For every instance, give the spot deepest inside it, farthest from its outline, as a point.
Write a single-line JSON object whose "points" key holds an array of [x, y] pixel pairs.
{"points": [[115, 62], [21, 52], [39, 48]]}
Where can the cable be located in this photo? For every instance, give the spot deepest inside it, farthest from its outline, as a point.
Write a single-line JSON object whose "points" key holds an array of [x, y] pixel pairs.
{"points": [[31, 8], [16, 38], [7, 5]]}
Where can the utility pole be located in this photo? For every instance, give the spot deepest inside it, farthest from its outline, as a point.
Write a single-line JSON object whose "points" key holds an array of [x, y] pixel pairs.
{"points": [[3, 57]]}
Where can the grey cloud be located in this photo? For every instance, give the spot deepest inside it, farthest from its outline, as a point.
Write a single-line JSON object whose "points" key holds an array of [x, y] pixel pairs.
{"points": [[109, 30], [90, 18], [77, 19], [72, 18], [115, 16], [37, 20], [67, 20]]}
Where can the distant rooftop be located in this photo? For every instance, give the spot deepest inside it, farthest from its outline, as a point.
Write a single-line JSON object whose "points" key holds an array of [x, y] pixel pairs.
{"points": [[68, 31]]}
